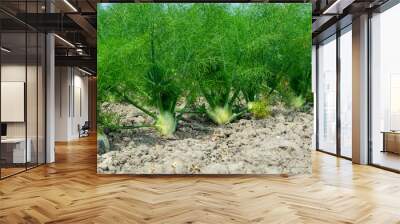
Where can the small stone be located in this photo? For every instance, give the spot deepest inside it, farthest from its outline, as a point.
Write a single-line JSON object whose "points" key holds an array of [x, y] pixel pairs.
{"points": [[126, 139]]}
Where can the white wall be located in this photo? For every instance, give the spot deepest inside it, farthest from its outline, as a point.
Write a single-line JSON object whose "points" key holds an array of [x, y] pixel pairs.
{"points": [[80, 88], [17, 73], [33, 126], [62, 81], [71, 87], [9, 73]]}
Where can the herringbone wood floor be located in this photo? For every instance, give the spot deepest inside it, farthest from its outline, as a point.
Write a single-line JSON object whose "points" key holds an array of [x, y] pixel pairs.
{"points": [[70, 191]]}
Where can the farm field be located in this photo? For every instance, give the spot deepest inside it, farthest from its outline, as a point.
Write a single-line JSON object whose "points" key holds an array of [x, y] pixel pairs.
{"points": [[204, 88]]}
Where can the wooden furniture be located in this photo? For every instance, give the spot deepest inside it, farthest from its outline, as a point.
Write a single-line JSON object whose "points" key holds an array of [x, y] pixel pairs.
{"points": [[391, 141]]}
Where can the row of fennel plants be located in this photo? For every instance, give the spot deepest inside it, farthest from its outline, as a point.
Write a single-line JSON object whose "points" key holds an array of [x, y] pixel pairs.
{"points": [[213, 52]]}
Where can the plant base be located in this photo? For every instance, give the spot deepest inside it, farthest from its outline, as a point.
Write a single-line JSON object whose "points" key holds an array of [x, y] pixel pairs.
{"points": [[221, 115], [166, 123]]}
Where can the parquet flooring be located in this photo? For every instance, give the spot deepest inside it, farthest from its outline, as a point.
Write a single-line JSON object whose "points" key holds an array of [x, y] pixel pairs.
{"points": [[70, 191], [10, 171]]}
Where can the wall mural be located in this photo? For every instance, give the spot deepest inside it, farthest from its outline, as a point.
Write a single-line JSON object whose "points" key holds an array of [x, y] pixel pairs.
{"points": [[204, 88]]}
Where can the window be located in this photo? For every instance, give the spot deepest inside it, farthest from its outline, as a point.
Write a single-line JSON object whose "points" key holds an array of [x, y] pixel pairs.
{"points": [[327, 95], [22, 77], [346, 92], [385, 89]]}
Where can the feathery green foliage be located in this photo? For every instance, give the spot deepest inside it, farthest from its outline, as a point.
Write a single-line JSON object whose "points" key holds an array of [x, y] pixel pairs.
{"points": [[153, 56]]}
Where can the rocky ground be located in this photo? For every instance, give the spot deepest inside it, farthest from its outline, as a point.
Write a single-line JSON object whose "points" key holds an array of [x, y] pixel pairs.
{"points": [[280, 144]]}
